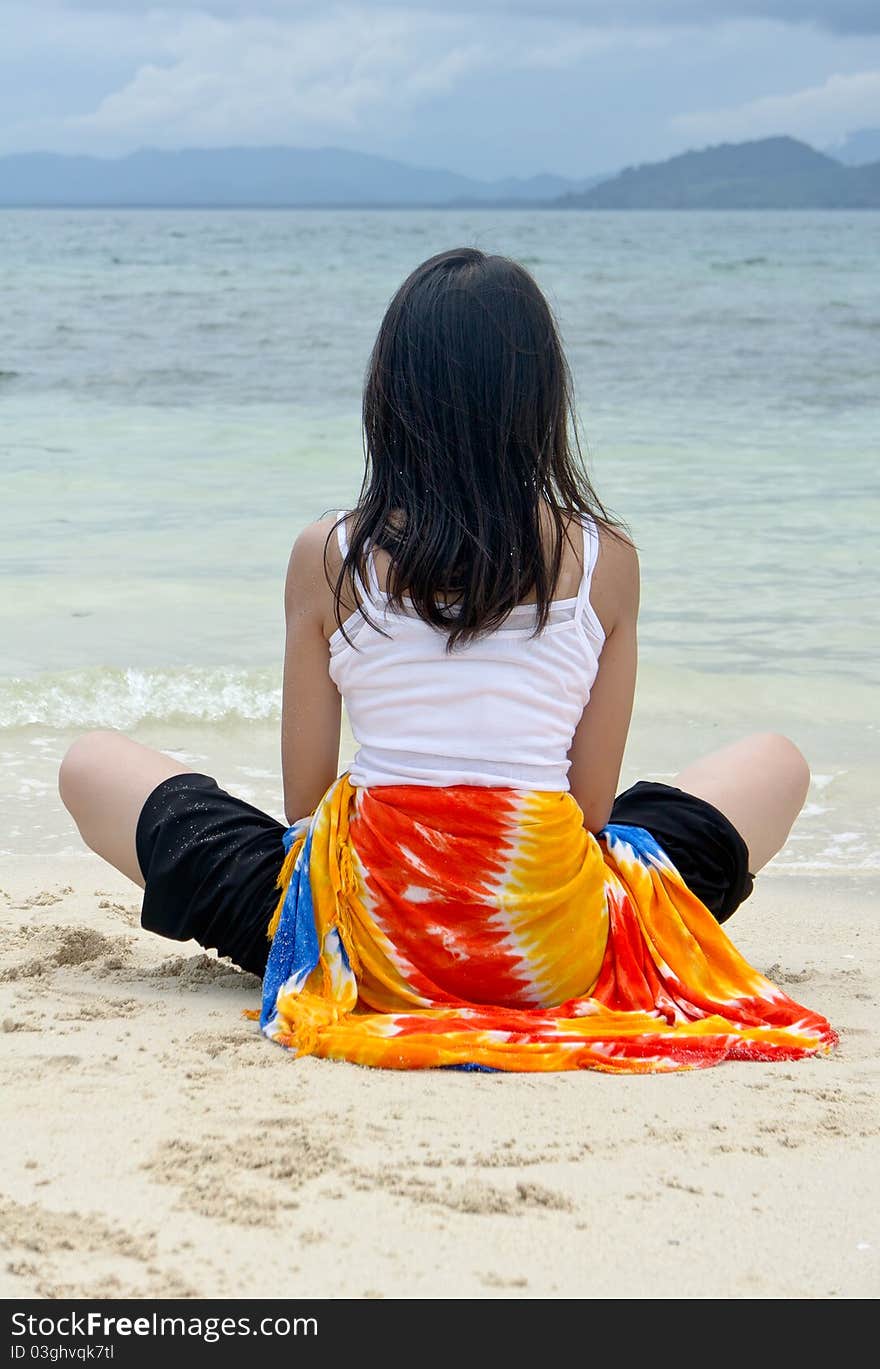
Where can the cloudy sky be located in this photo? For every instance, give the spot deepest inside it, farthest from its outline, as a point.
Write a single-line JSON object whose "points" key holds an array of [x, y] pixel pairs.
{"points": [[487, 87]]}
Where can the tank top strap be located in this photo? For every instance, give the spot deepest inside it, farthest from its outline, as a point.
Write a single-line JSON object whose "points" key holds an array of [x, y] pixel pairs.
{"points": [[371, 589], [591, 554], [585, 612], [342, 531]]}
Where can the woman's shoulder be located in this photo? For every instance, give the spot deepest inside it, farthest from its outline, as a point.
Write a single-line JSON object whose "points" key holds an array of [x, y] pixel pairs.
{"points": [[313, 571], [314, 546], [615, 585]]}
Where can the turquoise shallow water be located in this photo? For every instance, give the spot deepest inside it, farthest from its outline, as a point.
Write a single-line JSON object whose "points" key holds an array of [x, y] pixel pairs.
{"points": [[179, 394]]}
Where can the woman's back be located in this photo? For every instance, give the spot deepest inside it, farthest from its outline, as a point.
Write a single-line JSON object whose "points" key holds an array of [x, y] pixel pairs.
{"points": [[466, 569], [500, 709]]}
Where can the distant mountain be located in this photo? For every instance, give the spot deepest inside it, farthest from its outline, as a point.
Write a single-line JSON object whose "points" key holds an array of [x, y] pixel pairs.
{"points": [[859, 148], [247, 177], [772, 173]]}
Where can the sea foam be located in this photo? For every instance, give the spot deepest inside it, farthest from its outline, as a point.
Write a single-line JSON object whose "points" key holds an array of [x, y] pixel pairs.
{"points": [[125, 698]]}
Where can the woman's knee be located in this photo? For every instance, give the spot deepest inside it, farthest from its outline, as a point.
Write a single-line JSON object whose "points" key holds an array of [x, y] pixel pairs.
{"points": [[787, 763], [79, 767]]}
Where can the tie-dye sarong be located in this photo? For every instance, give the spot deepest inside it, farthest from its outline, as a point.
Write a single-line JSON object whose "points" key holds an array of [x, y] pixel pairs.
{"points": [[486, 928]]}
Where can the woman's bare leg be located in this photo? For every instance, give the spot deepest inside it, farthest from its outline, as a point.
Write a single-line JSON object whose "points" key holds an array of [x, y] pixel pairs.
{"points": [[759, 783], [104, 781]]}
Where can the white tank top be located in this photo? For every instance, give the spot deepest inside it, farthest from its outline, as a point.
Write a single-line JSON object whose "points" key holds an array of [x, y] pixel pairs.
{"points": [[500, 711]]}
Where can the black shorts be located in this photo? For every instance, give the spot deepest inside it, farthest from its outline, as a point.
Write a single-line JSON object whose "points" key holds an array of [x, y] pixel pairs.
{"points": [[210, 861]]}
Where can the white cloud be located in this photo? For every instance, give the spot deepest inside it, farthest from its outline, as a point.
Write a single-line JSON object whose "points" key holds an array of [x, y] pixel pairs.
{"points": [[262, 80], [821, 114], [307, 78]]}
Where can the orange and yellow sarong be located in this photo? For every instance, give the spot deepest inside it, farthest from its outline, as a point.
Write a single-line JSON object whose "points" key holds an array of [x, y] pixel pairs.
{"points": [[487, 929]]}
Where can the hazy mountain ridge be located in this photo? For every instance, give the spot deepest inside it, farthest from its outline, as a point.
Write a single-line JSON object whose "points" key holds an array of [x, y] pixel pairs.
{"points": [[252, 177], [770, 173]]}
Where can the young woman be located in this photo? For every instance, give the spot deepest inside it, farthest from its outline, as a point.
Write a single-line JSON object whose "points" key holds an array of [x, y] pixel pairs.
{"points": [[471, 892]]}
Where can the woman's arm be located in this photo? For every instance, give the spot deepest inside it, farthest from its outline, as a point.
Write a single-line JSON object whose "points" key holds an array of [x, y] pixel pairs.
{"points": [[310, 702], [597, 750]]}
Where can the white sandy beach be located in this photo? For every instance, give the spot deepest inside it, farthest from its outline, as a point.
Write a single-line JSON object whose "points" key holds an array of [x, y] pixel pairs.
{"points": [[155, 1145]]}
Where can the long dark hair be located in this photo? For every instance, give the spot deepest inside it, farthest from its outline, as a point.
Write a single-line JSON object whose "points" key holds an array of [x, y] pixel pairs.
{"points": [[469, 432]]}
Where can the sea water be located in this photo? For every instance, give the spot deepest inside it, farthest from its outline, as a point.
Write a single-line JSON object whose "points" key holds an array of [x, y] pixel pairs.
{"points": [[180, 392]]}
